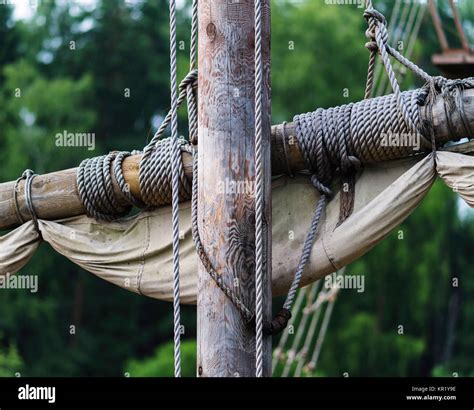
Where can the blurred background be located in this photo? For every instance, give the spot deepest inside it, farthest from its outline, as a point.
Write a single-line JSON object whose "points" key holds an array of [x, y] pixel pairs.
{"points": [[74, 62]]}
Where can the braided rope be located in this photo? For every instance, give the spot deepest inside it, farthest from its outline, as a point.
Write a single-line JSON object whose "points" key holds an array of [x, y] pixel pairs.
{"points": [[228, 291], [28, 175], [391, 27], [373, 55], [259, 191], [176, 166], [94, 182], [190, 88]]}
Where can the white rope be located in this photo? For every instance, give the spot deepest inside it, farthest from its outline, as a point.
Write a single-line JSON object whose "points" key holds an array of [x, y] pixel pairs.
{"points": [[322, 334], [176, 160], [303, 353], [299, 334], [391, 26], [397, 30], [260, 242], [411, 41], [405, 38]]}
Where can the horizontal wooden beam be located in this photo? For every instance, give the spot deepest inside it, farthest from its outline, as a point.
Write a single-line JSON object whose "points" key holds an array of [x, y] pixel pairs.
{"points": [[55, 195]]}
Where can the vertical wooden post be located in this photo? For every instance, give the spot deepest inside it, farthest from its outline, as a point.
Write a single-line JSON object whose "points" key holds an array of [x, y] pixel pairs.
{"points": [[226, 344]]}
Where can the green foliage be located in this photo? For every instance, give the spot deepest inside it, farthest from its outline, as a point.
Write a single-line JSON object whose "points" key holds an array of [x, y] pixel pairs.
{"points": [[162, 362], [316, 60], [10, 362], [39, 109], [397, 352]]}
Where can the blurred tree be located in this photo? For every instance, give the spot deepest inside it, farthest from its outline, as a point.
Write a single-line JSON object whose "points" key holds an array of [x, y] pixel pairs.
{"points": [[10, 362], [162, 362]]}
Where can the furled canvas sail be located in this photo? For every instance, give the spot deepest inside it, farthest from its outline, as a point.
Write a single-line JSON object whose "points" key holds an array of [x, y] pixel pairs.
{"points": [[136, 253]]}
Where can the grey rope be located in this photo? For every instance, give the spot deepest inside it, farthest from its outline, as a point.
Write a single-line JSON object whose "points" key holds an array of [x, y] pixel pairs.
{"points": [[308, 244], [285, 150], [372, 47], [392, 25], [124, 187], [176, 166], [94, 182], [156, 175], [28, 175], [259, 191], [322, 334], [191, 78], [311, 294], [278, 352], [234, 298], [190, 88], [405, 34]]}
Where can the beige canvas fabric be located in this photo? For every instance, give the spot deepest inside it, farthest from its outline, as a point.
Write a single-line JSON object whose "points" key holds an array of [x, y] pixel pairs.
{"points": [[136, 253]]}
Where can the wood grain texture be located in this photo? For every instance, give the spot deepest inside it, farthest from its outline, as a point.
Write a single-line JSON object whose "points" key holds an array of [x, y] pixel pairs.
{"points": [[55, 195], [226, 345]]}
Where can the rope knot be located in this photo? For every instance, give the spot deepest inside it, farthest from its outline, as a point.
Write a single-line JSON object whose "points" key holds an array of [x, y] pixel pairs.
{"points": [[323, 189], [350, 163], [278, 324], [372, 46], [374, 16], [190, 79], [28, 176]]}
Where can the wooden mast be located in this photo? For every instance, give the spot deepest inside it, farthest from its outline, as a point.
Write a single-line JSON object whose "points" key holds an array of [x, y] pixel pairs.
{"points": [[226, 344]]}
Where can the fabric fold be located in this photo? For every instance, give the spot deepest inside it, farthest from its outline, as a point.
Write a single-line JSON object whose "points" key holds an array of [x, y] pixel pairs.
{"points": [[136, 253]]}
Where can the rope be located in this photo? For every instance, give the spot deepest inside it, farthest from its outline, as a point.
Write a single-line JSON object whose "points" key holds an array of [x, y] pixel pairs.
{"points": [[28, 175], [372, 47], [278, 352], [228, 291], [191, 88], [308, 244], [260, 230], [176, 167], [308, 339], [94, 182], [392, 25], [394, 35], [124, 187], [322, 334], [408, 34], [156, 175], [309, 319], [299, 334]]}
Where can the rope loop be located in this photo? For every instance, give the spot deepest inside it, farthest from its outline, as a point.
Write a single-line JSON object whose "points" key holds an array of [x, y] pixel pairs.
{"points": [[190, 80], [94, 182], [119, 177], [323, 189], [278, 324], [374, 15], [28, 175], [156, 174]]}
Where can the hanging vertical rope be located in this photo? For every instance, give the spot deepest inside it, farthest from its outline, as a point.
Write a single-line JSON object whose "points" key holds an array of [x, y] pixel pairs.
{"points": [[259, 191], [190, 89], [372, 47], [392, 25], [176, 160]]}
